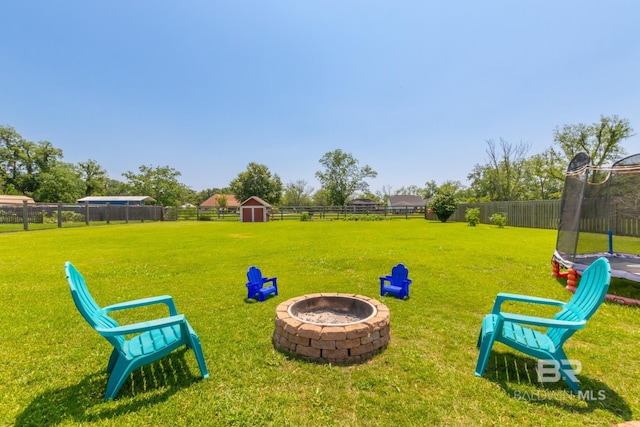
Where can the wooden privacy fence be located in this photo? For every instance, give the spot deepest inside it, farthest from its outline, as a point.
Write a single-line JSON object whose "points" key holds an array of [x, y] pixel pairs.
{"points": [[530, 214]]}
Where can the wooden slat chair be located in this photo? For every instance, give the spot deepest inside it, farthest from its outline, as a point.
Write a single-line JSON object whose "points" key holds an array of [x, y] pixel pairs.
{"points": [[151, 340], [398, 282], [256, 284], [512, 329]]}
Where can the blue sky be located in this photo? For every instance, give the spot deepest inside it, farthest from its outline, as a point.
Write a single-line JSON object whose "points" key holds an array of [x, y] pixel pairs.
{"points": [[412, 88]]}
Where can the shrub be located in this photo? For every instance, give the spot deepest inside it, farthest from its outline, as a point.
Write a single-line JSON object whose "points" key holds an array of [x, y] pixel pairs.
{"points": [[304, 216], [443, 204], [499, 219], [71, 216], [472, 215]]}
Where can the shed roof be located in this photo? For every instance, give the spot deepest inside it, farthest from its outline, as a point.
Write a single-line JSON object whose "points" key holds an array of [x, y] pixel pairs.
{"points": [[14, 200], [257, 199], [363, 202]]}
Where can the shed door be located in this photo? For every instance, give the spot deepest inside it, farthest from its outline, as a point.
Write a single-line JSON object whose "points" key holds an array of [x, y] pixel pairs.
{"points": [[258, 214], [247, 214]]}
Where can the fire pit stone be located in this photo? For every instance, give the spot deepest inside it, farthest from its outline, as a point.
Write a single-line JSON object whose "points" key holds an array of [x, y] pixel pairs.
{"points": [[306, 327]]}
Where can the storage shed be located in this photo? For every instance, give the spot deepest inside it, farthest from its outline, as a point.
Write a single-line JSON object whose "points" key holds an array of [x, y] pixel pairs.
{"points": [[254, 209]]}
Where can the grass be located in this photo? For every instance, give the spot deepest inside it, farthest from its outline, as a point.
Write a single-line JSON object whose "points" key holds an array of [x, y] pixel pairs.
{"points": [[53, 362]]}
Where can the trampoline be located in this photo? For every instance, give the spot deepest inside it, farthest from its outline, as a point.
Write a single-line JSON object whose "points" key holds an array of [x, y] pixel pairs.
{"points": [[600, 217]]}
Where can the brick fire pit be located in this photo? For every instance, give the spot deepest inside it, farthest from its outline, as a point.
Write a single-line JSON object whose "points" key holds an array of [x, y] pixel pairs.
{"points": [[332, 328]]}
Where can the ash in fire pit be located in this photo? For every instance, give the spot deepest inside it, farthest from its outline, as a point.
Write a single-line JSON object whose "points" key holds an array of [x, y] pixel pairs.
{"points": [[335, 328], [332, 310], [327, 317]]}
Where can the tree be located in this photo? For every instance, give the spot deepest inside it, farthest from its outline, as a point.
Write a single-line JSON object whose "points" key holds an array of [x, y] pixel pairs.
{"points": [[342, 177], [411, 190], [222, 201], [443, 204], [257, 181], [601, 140], [321, 198], [60, 183], [161, 183], [113, 187], [384, 194], [297, 194], [546, 175], [503, 178], [430, 189], [22, 161], [94, 178]]}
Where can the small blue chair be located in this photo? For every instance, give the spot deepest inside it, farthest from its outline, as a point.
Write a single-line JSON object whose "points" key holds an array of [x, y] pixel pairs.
{"points": [[513, 331], [151, 340], [398, 282], [256, 284]]}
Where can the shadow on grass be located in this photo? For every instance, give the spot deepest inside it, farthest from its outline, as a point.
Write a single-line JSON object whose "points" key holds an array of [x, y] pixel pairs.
{"points": [[517, 376], [84, 402], [255, 300]]}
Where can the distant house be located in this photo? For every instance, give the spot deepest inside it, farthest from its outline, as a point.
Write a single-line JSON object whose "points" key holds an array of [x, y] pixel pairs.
{"points": [[363, 202], [363, 205], [118, 200], [405, 202], [213, 202], [254, 209], [15, 200]]}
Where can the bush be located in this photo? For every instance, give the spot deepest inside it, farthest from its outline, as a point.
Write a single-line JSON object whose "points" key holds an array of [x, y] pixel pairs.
{"points": [[49, 219], [443, 204], [499, 220], [71, 216], [472, 215], [304, 216]]}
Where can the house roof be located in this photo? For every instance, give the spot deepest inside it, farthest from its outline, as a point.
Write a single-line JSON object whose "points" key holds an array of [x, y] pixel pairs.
{"points": [[258, 199], [14, 200], [212, 201], [117, 199], [406, 200], [363, 202]]}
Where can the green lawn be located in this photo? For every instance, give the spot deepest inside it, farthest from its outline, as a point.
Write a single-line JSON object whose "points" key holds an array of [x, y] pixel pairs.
{"points": [[53, 362]]}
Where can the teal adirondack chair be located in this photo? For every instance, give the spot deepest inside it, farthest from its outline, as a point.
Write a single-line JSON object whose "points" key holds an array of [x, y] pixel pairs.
{"points": [[152, 340], [513, 331]]}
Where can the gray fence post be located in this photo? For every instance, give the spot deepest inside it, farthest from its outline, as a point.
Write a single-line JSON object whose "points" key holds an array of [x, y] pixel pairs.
{"points": [[25, 215], [106, 213], [59, 214], [86, 213]]}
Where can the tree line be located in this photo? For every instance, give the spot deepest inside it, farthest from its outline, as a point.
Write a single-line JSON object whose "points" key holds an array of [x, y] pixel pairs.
{"points": [[37, 170]]}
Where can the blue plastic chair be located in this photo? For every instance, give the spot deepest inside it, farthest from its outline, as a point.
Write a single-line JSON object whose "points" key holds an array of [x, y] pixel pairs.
{"points": [[513, 331], [152, 340], [398, 282], [256, 284]]}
